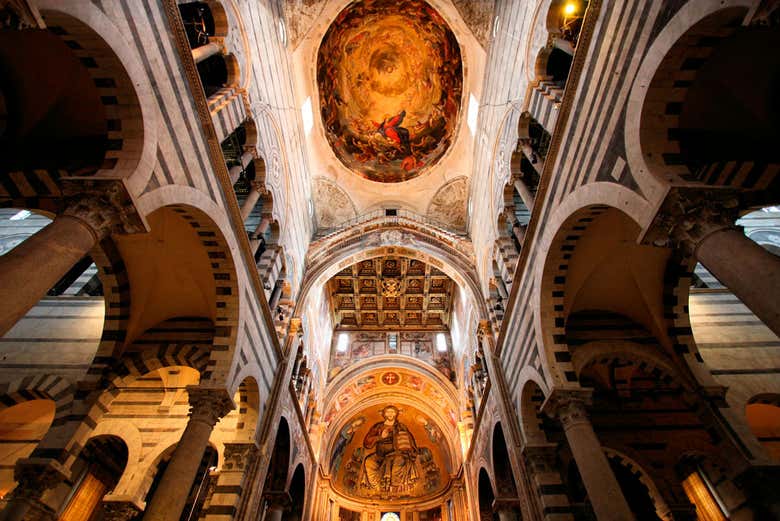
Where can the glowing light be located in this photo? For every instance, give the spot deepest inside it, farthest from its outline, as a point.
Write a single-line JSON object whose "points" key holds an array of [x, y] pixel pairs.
{"points": [[441, 343], [570, 8], [341, 347], [473, 114], [308, 116], [20, 216]]}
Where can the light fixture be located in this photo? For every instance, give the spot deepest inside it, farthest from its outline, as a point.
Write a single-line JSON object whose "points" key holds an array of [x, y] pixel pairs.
{"points": [[570, 8]]}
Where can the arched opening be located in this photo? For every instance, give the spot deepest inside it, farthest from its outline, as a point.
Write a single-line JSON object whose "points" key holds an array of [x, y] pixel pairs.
{"points": [[763, 417], [564, 22], [99, 467], [203, 21], [297, 495], [486, 497], [635, 492], [279, 466], [248, 414], [22, 426], [508, 508], [59, 105], [721, 124], [214, 74], [558, 65]]}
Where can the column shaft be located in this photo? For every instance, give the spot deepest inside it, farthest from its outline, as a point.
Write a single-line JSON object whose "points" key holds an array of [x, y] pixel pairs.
{"points": [[28, 271], [603, 489], [525, 193], [747, 269], [171, 495], [249, 204], [204, 52]]}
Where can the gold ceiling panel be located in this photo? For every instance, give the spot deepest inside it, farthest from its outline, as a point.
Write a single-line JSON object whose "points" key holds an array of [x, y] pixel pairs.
{"points": [[392, 293]]}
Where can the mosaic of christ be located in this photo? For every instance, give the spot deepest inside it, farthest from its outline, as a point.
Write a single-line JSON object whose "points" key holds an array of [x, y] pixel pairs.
{"points": [[391, 454], [390, 80]]}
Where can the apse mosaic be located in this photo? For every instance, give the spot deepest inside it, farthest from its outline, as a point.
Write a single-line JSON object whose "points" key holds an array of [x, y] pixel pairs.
{"points": [[390, 452], [390, 79]]}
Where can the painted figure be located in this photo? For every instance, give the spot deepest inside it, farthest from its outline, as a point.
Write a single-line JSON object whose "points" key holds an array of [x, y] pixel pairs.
{"points": [[391, 468]]}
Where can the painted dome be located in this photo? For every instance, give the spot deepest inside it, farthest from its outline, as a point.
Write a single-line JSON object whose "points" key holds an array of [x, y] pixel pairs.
{"points": [[390, 78]]}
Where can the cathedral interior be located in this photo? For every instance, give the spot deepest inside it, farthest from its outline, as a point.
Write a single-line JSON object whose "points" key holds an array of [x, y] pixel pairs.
{"points": [[389, 260]]}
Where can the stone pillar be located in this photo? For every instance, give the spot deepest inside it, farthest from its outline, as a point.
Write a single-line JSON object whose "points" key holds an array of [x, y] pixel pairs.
{"points": [[33, 479], [506, 508], [277, 503], [28, 271], [251, 200], [204, 52], [701, 223], [747, 269], [600, 482], [259, 232], [235, 171], [525, 193], [553, 503], [239, 460], [207, 406]]}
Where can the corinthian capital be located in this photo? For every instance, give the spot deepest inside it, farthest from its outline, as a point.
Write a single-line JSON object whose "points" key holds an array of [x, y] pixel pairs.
{"points": [[239, 456], [104, 206], [568, 406], [209, 405], [688, 215], [35, 476]]}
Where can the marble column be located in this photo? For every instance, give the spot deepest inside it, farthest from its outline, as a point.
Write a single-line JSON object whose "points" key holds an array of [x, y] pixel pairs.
{"points": [[251, 200], [605, 495], [747, 269], [207, 406], [235, 171], [525, 193], [277, 503], [204, 52], [33, 479], [700, 222], [28, 271], [259, 233]]}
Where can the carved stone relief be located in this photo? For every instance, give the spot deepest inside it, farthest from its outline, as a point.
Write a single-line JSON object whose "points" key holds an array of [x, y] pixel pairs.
{"points": [[448, 206], [332, 204]]}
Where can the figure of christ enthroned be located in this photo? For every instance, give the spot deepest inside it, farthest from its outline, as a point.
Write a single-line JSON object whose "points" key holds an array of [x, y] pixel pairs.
{"points": [[390, 470]]}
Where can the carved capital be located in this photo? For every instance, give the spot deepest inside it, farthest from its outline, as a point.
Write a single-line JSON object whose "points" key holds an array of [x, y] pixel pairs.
{"points": [[105, 207], [35, 476], [209, 405], [16, 15], [569, 406], [239, 456], [278, 500], [688, 215], [120, 510], [296, 327], [541, 458]]}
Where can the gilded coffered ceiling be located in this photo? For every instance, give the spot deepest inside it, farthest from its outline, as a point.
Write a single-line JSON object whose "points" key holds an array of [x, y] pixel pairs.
{"points": [[391, 293]]}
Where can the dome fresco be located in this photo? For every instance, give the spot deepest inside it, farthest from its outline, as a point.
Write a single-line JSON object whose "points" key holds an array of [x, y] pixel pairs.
{"points": [[390, 78]]}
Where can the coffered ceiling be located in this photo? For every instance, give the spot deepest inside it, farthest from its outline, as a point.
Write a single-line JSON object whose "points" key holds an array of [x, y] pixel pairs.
{"points": [[391, 293]]}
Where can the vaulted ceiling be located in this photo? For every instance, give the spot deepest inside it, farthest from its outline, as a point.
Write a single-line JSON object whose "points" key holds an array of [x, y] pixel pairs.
{"points": [[391, 293]]}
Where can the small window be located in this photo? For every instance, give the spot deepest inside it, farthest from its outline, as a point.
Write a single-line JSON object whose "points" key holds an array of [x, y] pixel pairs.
{"points": [[341, 347], [391, 212], [441, 343], [392, 342]]}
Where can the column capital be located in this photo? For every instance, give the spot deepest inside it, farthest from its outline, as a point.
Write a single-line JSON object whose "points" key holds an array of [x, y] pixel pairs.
{"points": [[278, 500], [541, 458], [240, 456], [17, 15], [34, 476], [296, 327], [209, 405], [103, 206], [483, 329], [568, 406], [120, 510], [503, 504], [688, 215]]}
